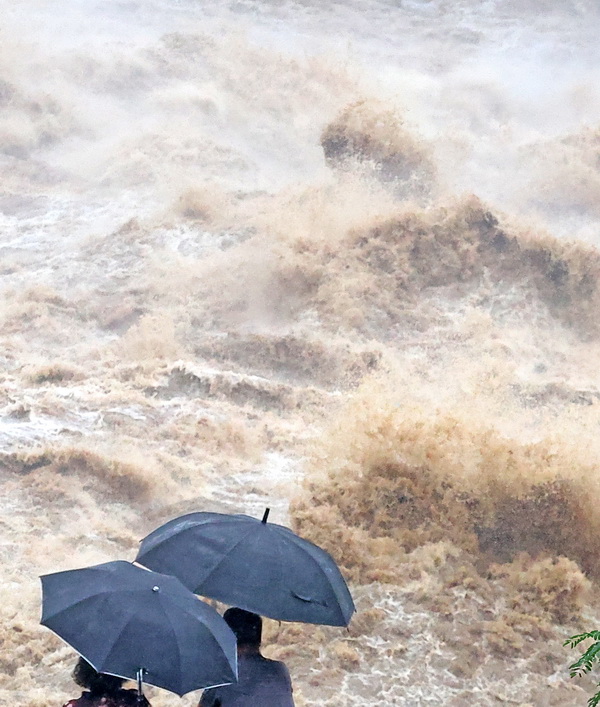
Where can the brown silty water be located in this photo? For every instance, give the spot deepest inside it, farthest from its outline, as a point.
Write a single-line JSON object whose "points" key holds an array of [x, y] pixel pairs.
{"points": [[341, 260]]}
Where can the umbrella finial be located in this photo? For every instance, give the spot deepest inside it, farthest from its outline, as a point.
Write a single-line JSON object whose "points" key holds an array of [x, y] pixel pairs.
{"points": [[266, 515]]}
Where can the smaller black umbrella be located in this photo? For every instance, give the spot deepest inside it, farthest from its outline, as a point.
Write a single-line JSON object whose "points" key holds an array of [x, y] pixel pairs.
{"points": [[245, 562], [127, 621]]}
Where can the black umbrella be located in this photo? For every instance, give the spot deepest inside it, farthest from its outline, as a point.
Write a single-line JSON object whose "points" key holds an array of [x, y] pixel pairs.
{"points": [[126, 621], [258, 566]]}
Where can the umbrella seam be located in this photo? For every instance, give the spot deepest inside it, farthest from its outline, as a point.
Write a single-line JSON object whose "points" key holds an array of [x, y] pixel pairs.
{"points": [[176, 639], [212, 634], [107, 596], [322, 571], [68, 608], [190, 529], [205, 521], [221, 560], [309, 551], [118, 637]]}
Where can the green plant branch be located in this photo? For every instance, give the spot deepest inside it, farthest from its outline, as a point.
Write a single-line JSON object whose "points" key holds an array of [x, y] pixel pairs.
{"points": [[586, 662]]}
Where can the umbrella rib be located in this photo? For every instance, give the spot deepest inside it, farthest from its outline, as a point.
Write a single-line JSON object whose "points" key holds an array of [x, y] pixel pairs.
{"points": [[97, 663], [291, 539], [194, 615], [280, 554], [222, 559], [105, 593], [166, 613], [117, 638]]}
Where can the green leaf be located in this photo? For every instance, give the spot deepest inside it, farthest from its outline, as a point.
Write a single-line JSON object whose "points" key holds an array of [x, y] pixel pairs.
{"points": [[587, 659], [586, 662], [576, 640]]}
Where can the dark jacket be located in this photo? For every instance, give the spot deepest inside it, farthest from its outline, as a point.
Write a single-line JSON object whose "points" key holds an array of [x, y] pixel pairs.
{"points": [[261, 682]]}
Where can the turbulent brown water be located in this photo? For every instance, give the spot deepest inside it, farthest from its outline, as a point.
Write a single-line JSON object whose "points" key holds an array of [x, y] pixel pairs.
{"points": [[340, 259]]}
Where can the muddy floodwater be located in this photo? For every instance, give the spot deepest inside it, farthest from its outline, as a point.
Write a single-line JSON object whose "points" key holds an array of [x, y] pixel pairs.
{"points": [[340, 259]]}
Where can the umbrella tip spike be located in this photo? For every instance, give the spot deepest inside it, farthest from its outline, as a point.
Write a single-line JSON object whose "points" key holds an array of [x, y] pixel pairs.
{"points": [[266, 515]]}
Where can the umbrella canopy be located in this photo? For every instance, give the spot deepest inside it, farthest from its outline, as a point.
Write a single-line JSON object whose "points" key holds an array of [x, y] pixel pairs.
{"points": [[123, 619], [245, 562]]}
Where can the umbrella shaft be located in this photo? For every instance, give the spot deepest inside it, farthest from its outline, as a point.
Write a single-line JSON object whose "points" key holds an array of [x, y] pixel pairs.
{"points": [[140, 681]]}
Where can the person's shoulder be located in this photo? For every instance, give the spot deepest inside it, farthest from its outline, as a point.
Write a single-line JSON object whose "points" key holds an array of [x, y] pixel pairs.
{"points": [[82, 701], [130, 697], [277, 666], [278, 674]]}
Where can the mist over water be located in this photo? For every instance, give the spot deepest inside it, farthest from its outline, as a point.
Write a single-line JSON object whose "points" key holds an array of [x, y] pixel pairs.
{"points": [[340, 259]]}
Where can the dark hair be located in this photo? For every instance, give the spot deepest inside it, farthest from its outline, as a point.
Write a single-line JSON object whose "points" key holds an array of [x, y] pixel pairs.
{"points": [[98, 684], [246, 626]]}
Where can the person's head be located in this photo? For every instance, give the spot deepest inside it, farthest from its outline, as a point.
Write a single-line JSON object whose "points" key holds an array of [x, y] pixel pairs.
{"points": [[97, 683], [246, 626]]}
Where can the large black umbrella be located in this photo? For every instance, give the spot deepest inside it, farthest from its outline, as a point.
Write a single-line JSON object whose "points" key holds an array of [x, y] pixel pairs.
{"points": [[123, 619], [245, 562]]}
